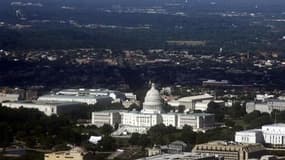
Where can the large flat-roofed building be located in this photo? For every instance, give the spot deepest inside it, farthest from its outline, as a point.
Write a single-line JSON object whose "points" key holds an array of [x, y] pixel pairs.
{"points": [[182, 156], [9, 97], [189, 102], [266, 106], [231, 151], [215, 83], [249, 136], [202, 106], [88, 96], [89, 99], [110, 117], [48, 108], [197, 121], [115, 95], [73, 154], [272, 135]]}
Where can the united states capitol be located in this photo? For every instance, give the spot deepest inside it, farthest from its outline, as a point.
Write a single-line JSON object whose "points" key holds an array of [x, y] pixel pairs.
{"points": [[152, 113]]}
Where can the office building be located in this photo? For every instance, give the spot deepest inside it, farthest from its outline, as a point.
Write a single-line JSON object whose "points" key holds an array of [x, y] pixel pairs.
{"points": [[272, 135], [266, 106], [76, 153], [48, 108], [230, 151], [111, 118], [182, 156], [190, 101]]}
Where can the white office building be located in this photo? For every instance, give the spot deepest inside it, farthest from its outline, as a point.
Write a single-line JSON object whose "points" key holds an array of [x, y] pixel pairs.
{"points": [[140, 119], [88, 99], [169, 119], [198, 121], [191, 102], [9, 97], [111, 118], [273, 134], [48, 108], [249, 136], [202, 106], [267, 106], [115, 95]]}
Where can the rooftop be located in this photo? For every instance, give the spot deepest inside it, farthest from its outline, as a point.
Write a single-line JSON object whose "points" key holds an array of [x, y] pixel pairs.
{"points": [[43, 102], [74, 97], [275, 125], [185, 155], [198, 97], [230, 144], [250, 130], [100, 90]]}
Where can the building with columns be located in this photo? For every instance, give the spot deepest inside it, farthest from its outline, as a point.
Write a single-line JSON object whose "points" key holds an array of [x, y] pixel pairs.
{"points": [[271, 134], [153, 114]]}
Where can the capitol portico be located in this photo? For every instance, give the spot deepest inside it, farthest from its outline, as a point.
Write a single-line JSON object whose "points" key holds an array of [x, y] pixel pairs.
{"points": [[151, 115]]}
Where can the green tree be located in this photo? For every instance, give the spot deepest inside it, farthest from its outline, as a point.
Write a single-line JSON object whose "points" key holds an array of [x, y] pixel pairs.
{"points": [[187, 135], [263, 119], [237, 110], [218, 110], [134, 140], [251, 116], [6, 136], [157, 133], [107, 143], [106, 129], [144, 141]]}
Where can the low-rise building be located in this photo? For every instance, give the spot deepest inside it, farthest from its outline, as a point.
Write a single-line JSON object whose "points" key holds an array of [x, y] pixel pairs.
{"points": [[9, 97], [272, 135], [89, 99], [48, 108], [263, 97], [197, 121], [230, 151], [140, 119], [249, 136], [266, 106], [155, 150], [73, 154], [177, 147], [115, 95], [202, 106], [215, 83], [182, 156], [111, 118], [189, 102]]}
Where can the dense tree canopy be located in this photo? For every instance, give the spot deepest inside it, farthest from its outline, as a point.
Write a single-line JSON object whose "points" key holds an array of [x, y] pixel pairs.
{"points": [[34, 128]]}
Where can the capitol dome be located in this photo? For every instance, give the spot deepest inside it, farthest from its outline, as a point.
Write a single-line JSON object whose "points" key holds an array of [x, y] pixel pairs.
{"points": [[152, 102]]}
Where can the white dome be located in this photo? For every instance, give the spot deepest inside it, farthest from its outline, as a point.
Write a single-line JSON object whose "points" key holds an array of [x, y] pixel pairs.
{"points": [[152, 96], [152, 102]]}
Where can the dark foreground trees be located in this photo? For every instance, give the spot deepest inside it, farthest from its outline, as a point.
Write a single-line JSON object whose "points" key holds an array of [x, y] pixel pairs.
{"points": [[35, 129]]}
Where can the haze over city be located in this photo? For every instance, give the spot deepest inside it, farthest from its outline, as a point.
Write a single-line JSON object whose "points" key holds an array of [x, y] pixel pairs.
{"points": [[142, 79]]}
